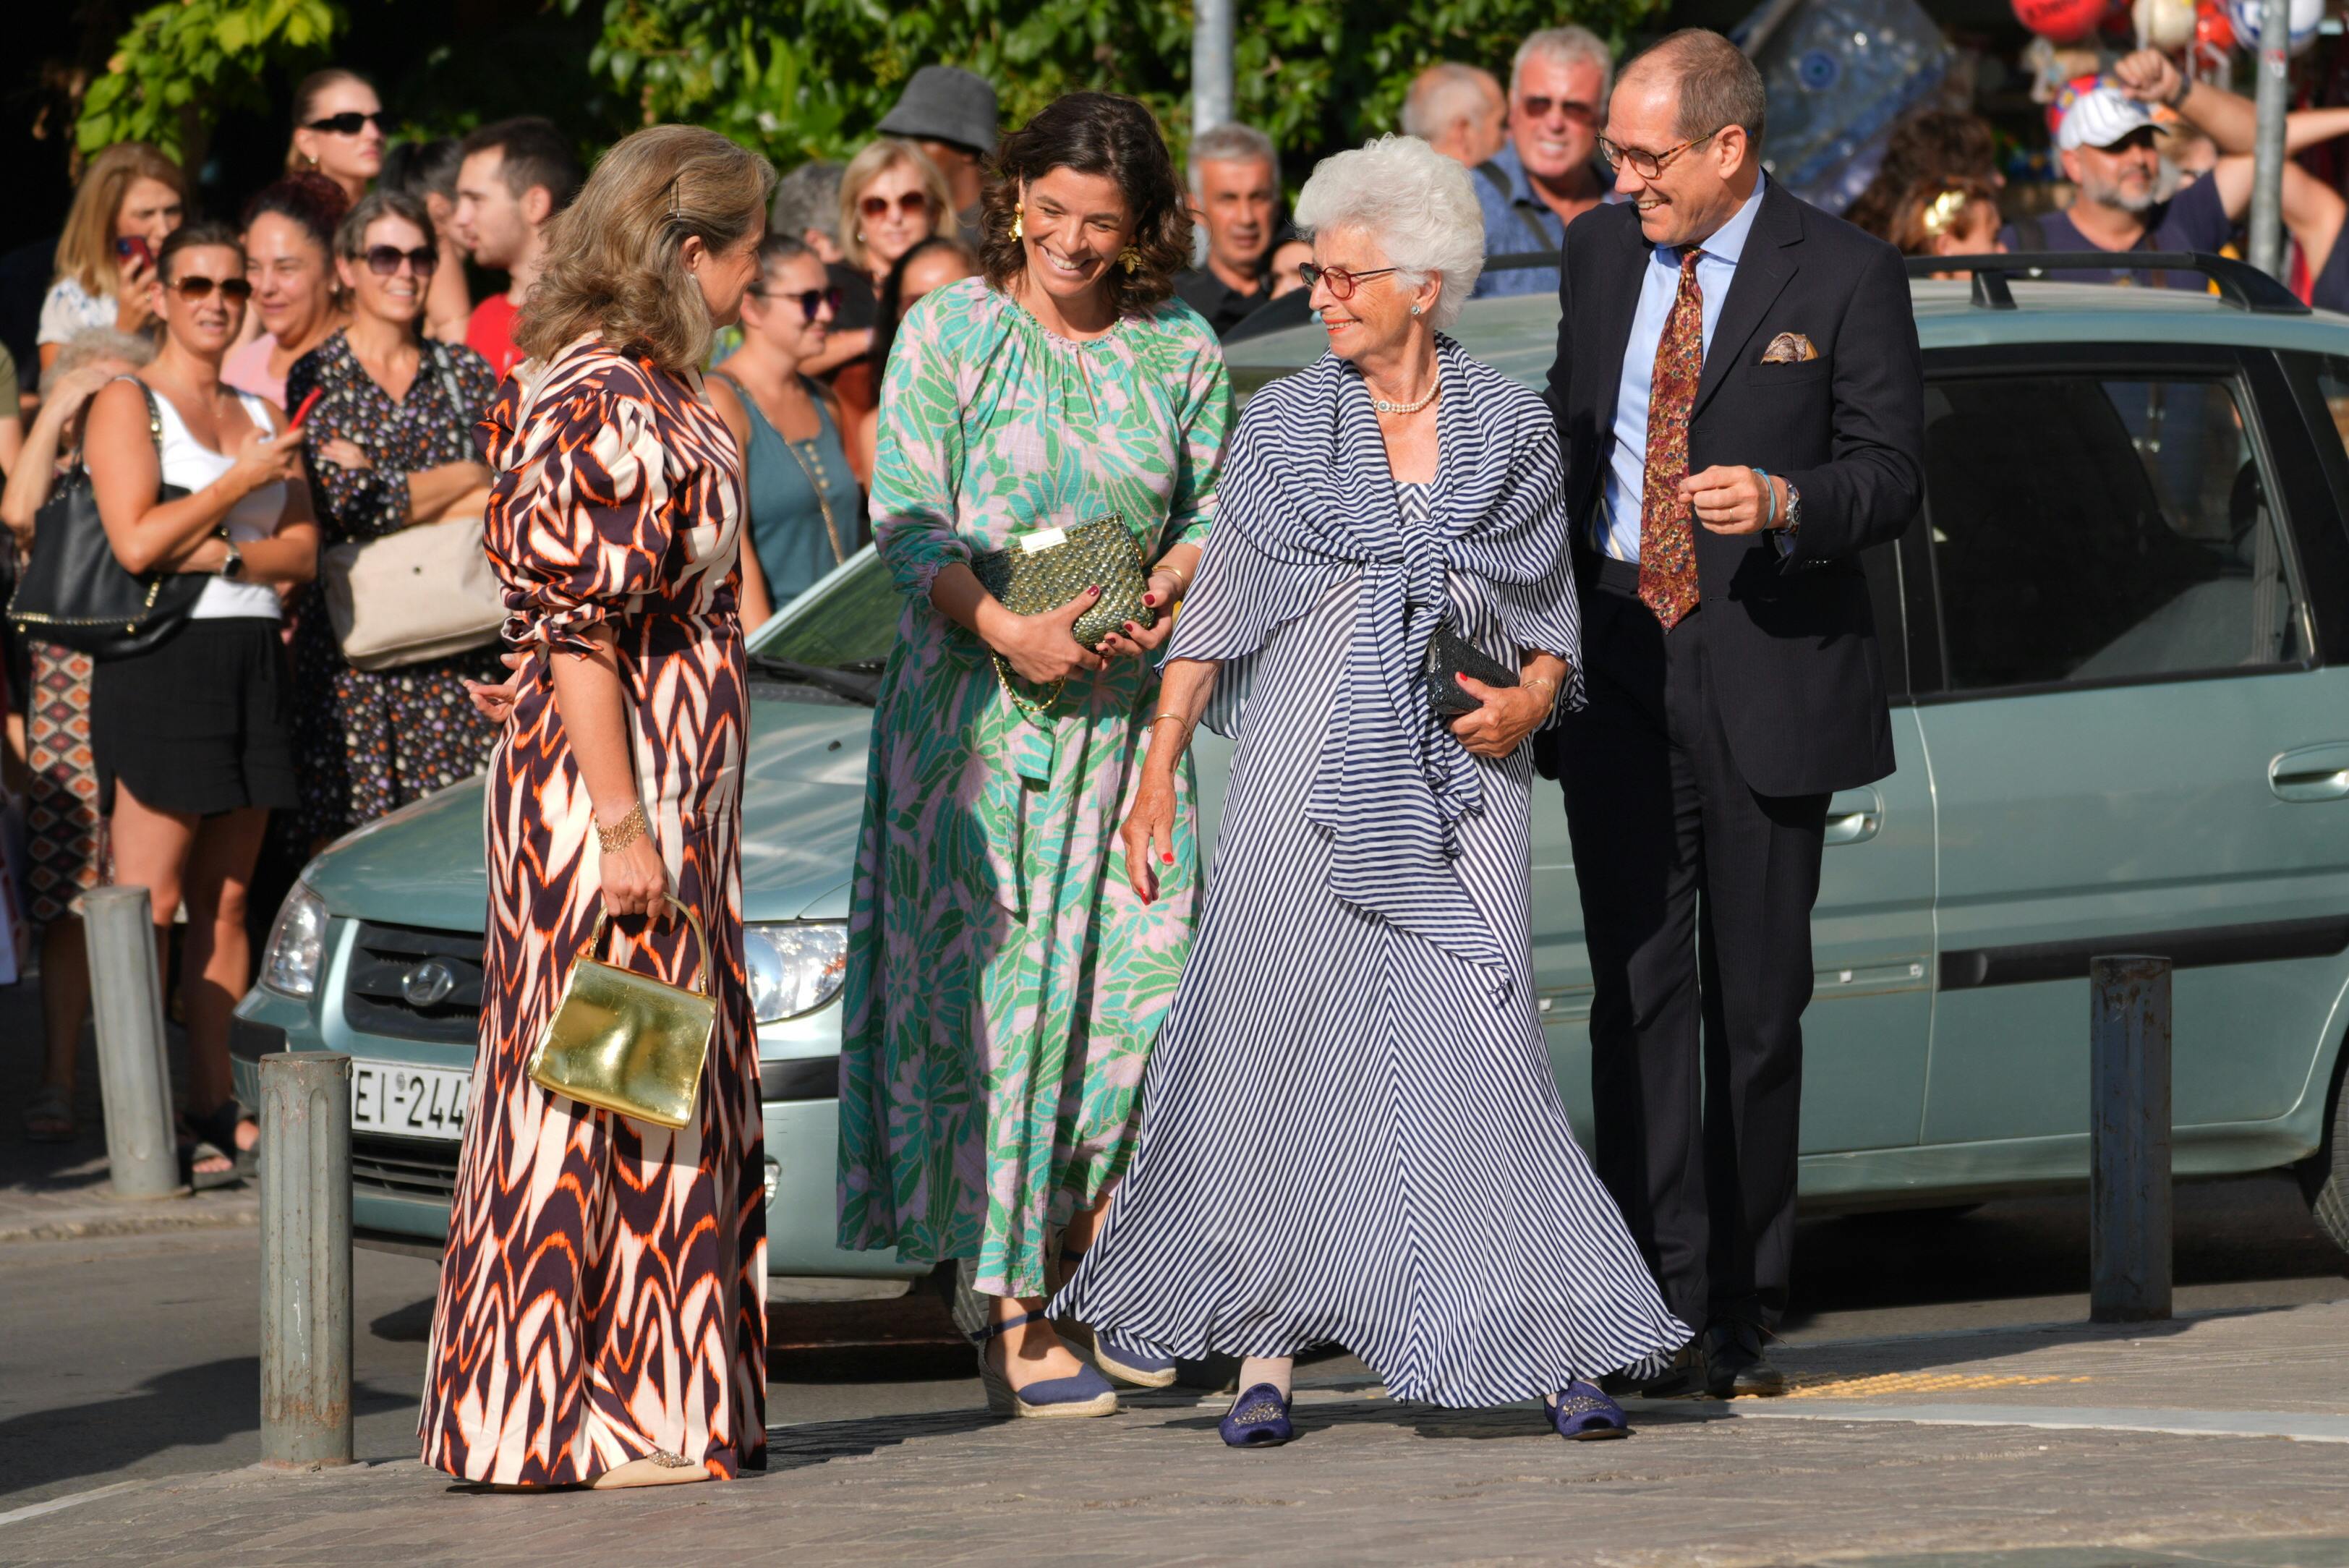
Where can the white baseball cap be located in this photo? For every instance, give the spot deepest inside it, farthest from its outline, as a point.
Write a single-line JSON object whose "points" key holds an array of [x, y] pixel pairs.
{"points": [[2100, 117]]}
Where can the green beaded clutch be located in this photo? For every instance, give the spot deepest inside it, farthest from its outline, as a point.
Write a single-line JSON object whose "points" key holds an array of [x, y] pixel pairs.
{"points": [[1045, 569]]}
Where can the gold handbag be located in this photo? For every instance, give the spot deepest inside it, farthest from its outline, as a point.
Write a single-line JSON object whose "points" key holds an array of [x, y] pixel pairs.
{"points": [[625, 1041]]}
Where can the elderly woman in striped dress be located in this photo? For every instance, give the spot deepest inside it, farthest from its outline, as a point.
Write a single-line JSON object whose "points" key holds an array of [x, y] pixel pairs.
{"points": [[1350, 1131]]}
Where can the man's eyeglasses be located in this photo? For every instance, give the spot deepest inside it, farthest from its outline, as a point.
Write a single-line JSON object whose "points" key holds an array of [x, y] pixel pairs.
{"points": [[384, 260], [1342, 283], [1539, 107], [912, 205], [1648, 165], [201, 287], [810, 299], [347, 123]]}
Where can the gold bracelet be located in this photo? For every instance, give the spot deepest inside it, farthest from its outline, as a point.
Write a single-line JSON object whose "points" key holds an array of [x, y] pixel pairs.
{"points": [[1549, 688], [623, 832], [1166, 719]]}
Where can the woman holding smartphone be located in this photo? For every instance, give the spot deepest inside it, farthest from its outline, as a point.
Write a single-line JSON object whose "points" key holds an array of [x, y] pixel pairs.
{"points": [[191, 737], [130, 197]]}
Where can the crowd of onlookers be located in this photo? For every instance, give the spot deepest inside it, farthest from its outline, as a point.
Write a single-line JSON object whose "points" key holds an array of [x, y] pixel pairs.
{"points": [[342, 285]]}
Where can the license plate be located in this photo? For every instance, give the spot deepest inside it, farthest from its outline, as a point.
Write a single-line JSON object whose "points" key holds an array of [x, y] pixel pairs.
{"points": [[409, 1102]]}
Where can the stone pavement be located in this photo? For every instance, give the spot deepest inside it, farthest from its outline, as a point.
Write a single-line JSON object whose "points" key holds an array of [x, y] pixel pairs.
{"points": [[2218, 1439]]}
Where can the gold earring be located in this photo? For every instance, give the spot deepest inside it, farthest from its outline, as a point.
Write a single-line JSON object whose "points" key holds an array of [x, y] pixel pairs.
{"points": [[1129, 259], [1018, 220]]}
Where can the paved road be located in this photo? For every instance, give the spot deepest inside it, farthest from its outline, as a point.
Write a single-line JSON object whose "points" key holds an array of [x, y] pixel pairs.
{"points": [[135, 1357]]}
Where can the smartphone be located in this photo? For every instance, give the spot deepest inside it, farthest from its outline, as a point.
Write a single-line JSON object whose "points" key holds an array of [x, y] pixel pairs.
{"points": [[303, 412], [135, 245]]}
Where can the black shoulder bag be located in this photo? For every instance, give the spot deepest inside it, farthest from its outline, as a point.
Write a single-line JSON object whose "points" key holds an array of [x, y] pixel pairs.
{"points": [[75, 593]]}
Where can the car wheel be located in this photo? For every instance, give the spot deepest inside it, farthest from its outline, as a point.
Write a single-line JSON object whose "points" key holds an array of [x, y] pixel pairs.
{"points": [[2325, 1177]]}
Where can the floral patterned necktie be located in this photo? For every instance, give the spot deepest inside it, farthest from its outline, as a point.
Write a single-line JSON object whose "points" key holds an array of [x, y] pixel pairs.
{"points": [[1666, 530]]}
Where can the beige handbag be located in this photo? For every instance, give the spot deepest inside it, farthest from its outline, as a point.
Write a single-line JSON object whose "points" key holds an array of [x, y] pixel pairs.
{"points": [[425, 592]]}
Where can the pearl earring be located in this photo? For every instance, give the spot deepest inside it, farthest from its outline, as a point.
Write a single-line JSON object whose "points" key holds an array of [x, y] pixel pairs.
{"points": [[1414, 310]]}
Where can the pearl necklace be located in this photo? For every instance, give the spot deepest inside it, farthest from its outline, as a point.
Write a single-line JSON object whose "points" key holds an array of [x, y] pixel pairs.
{"points": [[1384, 407]]}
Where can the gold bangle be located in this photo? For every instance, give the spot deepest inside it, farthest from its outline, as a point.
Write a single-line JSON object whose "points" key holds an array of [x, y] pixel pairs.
{"points": [[1167, 719], [623, 832]]}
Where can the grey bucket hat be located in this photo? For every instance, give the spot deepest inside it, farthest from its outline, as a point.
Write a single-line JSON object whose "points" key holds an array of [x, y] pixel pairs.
{"points": [[944, 103]]}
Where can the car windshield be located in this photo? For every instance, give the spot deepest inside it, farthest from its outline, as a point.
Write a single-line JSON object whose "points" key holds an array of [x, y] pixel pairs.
{"points": [[846, 621]]}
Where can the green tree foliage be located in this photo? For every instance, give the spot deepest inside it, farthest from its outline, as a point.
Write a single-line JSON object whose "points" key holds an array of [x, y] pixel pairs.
{"points": [[801, 79], [184, 61]]}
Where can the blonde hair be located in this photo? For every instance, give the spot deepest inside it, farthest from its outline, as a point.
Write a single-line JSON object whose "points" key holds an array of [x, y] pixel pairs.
{"points": [[613, 257], [876, 158], [86, 249]]}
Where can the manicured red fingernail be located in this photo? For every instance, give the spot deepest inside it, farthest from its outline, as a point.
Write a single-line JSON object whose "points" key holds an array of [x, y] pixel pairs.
{"points": [[1168, 857], [1094, 589], [1149, 599]]}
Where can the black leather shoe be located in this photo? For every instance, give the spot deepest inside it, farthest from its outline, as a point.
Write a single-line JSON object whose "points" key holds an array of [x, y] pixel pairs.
{"points": [[1734, 1365], [1683, 1374]]}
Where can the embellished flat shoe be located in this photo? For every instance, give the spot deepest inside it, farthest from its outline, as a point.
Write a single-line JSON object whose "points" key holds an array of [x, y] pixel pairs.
{"points": [[1258, 1418], [1086, 1394], [1580, 1413]]}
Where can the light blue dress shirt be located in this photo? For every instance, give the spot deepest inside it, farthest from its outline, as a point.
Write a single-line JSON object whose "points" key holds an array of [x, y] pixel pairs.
{"points": [[1618, 524]]}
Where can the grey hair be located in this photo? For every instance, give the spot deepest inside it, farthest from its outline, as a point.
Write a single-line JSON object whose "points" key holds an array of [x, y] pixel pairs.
{"points": [[1416, 202], [808, 198], [1232, 142], [92, 344], [1566, 45], [1718, 85], [1441, 96]]}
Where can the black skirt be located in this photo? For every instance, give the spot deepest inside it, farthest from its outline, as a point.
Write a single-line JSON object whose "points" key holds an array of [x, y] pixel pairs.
{"points": [[199, 724]]}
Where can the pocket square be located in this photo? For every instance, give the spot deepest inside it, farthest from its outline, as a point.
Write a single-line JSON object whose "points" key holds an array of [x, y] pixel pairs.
{"points": [[1789, 349]]}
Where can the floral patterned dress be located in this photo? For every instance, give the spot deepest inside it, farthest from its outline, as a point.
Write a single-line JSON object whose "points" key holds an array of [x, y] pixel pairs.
{"points": [[1004, 982], [603, 1291], [366, 742]]}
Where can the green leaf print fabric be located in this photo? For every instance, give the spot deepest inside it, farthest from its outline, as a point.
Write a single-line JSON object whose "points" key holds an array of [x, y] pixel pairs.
{"points": [[1003, 983]]}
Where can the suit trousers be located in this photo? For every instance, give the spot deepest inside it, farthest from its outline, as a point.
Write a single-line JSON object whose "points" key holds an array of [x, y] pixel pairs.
{"points": [[1696, 897]]}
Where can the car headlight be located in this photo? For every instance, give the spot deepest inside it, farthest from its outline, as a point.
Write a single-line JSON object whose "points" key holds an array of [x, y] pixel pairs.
{"points": [[298, 945], [795, 968]]}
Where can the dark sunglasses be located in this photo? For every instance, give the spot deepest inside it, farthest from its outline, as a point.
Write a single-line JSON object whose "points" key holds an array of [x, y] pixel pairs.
{"points": [[912, 205], [347, 123], [201, 287], [1342, 283], [384, 260], [1539, 107], [809, 299]]}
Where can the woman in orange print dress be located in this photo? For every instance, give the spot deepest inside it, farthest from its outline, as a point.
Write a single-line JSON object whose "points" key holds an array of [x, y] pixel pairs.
{"points": [[602, 1315]]}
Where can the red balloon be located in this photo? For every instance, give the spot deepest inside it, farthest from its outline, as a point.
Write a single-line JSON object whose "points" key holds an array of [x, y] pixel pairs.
{"points": [[2060, 21], [2214, 29]]}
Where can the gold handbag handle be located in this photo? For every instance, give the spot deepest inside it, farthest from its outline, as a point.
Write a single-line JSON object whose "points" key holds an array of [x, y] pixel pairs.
{"points": [[700, 938]]}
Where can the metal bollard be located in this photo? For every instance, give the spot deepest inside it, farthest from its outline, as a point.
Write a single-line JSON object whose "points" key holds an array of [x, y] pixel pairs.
{"points": [[306, 1259], [2128, 1139], [126, 995]]}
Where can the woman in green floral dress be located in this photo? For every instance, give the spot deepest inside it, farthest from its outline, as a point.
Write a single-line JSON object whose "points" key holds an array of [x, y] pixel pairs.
{"points": [[1004, 982]]}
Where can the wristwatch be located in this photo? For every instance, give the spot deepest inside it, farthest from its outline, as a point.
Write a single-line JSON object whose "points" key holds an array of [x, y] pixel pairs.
{"points": [[1793, 525], [233, 568]]}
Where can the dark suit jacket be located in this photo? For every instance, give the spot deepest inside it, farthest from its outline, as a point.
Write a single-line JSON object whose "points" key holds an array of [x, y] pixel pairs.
{"points": [[1793, 659]]}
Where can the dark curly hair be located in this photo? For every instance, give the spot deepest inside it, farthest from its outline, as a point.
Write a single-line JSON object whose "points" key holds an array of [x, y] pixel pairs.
{"points": [[1095, 133], [311, 202]]}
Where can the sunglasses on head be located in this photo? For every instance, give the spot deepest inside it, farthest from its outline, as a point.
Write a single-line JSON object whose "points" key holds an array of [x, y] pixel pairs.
{"points": [[1538, 108], [810, 299], [201, 287], [384, 260], [912, 205], [347, 123]]}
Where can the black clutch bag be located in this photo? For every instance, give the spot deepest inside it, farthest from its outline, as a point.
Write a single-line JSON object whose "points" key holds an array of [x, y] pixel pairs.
{"points": [[1449, 655], [75, 593]]}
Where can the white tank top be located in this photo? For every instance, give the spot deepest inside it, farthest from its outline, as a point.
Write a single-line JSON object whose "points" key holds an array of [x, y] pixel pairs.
{"points": [[189, 464]]}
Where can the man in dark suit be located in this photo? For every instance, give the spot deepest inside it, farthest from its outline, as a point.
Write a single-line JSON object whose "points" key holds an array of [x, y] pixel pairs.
{"points": [[1740, 394]]}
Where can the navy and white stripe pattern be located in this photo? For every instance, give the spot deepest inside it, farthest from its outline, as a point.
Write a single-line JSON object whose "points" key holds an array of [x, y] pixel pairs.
{"points": [[1308, 491], [1350, 1130]]}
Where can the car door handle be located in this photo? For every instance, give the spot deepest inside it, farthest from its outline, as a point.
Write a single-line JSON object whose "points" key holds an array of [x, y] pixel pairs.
{"points": [[1854, 817], [2311, 772]]}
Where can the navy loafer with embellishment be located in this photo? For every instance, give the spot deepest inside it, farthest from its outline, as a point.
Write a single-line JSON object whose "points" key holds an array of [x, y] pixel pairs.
{"points": [[1258, 1418], [1580, 1413]]}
